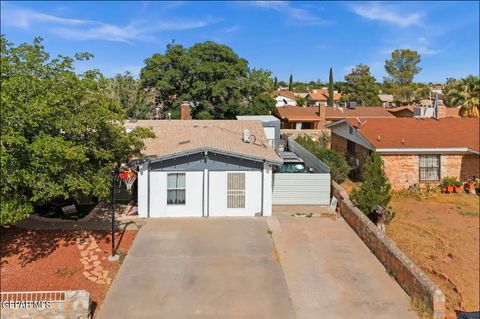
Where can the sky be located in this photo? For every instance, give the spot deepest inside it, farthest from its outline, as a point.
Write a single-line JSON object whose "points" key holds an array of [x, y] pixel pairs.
{"points": [[300, 38]]}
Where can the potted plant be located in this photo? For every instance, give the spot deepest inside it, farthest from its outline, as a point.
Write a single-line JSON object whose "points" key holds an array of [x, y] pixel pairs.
{"points": [[470, 185], [458, 187], [448, 184]]}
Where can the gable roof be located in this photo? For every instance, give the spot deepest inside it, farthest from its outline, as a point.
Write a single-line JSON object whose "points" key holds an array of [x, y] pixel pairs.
{"points": [[285, 93], [322, 95], [179, 137], [310, 114], [416, 134]]}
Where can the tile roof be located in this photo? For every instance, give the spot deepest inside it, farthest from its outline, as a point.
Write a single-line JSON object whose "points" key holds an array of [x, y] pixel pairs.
{"points": [[362, 112], [285, 93], [420, 133], [180, 136], [322, 95], [298, 113]]}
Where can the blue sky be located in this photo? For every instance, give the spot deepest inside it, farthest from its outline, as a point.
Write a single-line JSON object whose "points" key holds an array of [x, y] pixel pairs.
{"points": [[299, 38]]}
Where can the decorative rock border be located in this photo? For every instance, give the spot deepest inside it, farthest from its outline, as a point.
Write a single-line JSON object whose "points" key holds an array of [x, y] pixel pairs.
{"points": [[408, 275]]}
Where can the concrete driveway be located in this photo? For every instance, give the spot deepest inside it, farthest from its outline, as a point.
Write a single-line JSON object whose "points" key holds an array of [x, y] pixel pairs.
{"points": [[230, 268], [200, 268]]}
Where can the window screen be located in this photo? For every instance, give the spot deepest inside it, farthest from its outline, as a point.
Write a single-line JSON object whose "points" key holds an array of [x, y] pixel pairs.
{"points": [[175, 188], [236, 190], [429, 167]]}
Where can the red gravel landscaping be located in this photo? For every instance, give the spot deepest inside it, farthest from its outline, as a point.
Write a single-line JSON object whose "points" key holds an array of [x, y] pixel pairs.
{"points": [[52, 260]]}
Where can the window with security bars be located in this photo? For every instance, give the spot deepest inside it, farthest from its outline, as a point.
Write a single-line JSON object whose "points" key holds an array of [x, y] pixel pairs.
{"points": [[236, 190], [429, 168], [175, 188]]}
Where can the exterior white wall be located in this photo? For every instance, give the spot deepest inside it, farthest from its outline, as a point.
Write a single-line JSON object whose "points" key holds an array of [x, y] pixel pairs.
{"points": [[279, 101], [193, 195], [218, 194], [217, 205]]}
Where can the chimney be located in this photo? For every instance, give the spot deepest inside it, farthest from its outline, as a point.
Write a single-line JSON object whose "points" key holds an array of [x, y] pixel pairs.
{"points": [[185, 111], [322, 109]]}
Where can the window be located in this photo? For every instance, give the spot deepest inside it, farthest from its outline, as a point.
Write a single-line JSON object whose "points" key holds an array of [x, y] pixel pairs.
{"points": [[176, 189], [351, 147], [429, 167], [236, 190]]}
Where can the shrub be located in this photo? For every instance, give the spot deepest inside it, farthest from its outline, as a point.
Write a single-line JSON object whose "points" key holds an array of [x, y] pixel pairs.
{"points": [[448, 180], [339, 167], [375, 189]]}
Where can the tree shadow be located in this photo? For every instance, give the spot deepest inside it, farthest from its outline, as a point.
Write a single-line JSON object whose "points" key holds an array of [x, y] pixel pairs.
{"points": [[30, 245]]}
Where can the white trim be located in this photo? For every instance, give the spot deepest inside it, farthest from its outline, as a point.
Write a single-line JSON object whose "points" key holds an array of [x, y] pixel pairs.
{"points": [[424, 150]]}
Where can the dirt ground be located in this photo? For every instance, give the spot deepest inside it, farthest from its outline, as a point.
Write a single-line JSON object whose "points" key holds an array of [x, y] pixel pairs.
{"points": [[441, 235], [34, 260]]}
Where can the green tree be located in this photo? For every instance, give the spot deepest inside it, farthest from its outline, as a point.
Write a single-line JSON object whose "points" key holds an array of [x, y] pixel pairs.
{"points": [[330, 89], [127, 91], [361, 87], [464, 93], [339, 167], [301, 101], [375, 189], [211, 75], [275, 83], [290, 83], [61, 132], [402, 68]]}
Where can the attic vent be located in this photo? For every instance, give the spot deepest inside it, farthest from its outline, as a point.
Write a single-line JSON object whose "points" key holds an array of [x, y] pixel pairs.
{"points": [[184, 142]]}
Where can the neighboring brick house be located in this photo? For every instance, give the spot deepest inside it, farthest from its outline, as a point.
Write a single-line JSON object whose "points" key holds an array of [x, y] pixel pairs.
{"points": [[314, 118], [414, 151]]}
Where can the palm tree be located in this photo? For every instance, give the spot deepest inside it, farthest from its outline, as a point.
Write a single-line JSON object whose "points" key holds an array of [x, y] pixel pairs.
{"points": [[466, 94]]}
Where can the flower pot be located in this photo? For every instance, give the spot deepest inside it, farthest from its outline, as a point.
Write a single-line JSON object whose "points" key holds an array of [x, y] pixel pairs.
{"points": [[449, 189], [458, 189]]}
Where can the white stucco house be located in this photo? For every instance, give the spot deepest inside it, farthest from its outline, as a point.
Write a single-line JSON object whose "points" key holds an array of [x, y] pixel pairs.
{"points": [[205, 168], [284, 97]]}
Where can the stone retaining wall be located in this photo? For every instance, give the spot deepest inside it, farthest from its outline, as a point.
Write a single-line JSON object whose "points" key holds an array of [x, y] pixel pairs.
{"points": [[410, 277], [76, 305]]}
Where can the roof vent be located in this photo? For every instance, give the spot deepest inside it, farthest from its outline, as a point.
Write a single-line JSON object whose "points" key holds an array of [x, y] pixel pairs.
{"points": [[246, 135], [403, 140], [378, 138]]}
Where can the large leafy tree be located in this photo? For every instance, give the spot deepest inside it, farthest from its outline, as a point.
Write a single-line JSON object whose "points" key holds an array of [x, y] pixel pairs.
{"points": [[466, 94], [210, 75], [361, 87], [126, 90], [62, 134], [402, 68]]}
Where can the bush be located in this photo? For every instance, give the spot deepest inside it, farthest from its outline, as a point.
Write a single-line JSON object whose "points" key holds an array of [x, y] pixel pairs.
{"points": [[375, 189], [448, 180], [339, 167]]}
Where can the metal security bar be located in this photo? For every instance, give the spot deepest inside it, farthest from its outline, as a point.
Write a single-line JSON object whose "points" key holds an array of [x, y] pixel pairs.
{"points": [[19, 296]]}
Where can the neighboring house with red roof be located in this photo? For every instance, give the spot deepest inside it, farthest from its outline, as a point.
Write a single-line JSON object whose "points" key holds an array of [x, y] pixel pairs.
{"points": [[414, 151], [285, 97], [320, 97], [301, 118]]}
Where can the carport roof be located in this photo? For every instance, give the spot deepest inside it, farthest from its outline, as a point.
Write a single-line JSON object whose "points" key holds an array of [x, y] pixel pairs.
{"points": [[179, 137]]}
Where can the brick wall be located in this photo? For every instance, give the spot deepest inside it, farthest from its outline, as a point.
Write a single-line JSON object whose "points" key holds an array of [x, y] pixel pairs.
{"points": [[339, 144], [403, 170], [409, 276], [76, 305]]}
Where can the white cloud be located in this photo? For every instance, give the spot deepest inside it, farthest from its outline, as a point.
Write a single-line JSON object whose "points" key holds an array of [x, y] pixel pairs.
{"points": [[78, 29], [389, 14], [298, 15]]}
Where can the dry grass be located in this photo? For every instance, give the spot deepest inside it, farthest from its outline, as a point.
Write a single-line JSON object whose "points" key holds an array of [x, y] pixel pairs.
{"points": [[440, 233]]}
